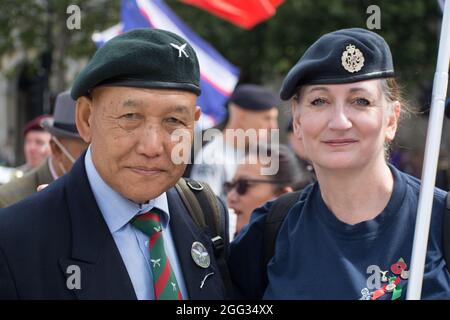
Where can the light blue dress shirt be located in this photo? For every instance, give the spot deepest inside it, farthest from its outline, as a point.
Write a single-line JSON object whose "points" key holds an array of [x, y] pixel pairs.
{"points": [[132, 243]]}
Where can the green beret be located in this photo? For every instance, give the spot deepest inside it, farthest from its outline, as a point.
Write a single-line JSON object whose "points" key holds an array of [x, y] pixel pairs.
{"points": [[144, 58]]}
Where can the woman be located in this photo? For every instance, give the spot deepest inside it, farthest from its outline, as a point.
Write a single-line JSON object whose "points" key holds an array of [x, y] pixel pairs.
{"points": [[350, 234], [250, 189]]}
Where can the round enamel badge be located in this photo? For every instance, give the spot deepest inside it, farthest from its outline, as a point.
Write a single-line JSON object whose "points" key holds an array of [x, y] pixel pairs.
{"points": [[200, 255]]}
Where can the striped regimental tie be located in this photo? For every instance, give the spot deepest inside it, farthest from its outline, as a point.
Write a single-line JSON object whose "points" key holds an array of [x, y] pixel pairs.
{"points": [[164, 281]]}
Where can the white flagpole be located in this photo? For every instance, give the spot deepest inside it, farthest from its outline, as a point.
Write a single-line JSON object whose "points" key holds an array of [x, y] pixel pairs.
{"points": [[432, 147]]}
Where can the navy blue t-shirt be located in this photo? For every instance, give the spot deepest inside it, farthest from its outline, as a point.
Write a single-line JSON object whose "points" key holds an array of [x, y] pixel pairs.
{"points": [[318, 256]]}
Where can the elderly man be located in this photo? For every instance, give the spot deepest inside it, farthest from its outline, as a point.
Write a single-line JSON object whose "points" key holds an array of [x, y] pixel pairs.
{"points": [[66, 146], [115, 227]]}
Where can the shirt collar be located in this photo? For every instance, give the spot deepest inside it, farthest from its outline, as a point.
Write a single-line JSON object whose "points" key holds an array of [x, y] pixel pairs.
{"points": [[116, 209]]}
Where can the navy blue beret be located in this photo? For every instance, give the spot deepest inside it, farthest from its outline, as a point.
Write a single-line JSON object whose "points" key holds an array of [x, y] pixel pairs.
{"points": [[145, 58], [343, 56], [253, 97]]}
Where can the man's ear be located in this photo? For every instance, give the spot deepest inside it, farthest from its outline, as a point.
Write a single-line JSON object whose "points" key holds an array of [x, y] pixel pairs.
{"points": [[197, 113], [83, 117]]}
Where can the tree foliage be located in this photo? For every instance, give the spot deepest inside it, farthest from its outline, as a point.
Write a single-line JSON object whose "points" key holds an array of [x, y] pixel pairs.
{"points": [[263, 54], [36, 27], [268, 51]]}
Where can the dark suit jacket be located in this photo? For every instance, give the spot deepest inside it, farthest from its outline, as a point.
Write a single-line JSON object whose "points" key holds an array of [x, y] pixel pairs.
{"points": [[20, 188], [62, 226]]}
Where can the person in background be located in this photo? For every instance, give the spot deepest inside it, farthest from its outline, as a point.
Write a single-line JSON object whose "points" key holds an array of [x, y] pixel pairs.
{"points": [[66, 143], [251, 107], [250, 189], [36, 145], [66, 146]]}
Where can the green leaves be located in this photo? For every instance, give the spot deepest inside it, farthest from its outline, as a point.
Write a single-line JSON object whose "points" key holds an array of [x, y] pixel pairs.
{"points": [[263, 53]]}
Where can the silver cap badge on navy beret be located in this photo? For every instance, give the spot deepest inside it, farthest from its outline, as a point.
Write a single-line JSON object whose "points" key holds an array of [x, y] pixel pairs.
{"points": [[352, 59]]}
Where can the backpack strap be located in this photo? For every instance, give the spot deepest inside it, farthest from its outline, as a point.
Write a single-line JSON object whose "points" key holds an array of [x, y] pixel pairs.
{"points": [[274, 219], [190, 201], [203, 206], [446, 231]]}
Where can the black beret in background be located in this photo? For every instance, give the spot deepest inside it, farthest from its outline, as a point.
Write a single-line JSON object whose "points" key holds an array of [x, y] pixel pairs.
{"points": [[145, 58], [343, 56], [254, 97]]}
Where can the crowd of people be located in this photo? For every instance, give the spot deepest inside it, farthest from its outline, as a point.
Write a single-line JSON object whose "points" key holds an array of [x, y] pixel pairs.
{"points": [[102, 191]]}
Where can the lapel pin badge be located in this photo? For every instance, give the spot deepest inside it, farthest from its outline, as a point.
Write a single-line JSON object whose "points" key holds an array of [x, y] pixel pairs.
{"points": [[200, 255]]}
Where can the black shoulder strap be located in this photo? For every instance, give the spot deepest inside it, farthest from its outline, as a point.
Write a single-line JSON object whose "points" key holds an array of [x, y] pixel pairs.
{"points": [[190, 201], [274, 219], [446, 232], [203, 206], [281, 206]]}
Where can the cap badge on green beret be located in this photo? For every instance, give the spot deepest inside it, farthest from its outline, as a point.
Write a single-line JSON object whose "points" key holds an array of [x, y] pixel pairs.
{"points": [[180, 49], [352, 59]]}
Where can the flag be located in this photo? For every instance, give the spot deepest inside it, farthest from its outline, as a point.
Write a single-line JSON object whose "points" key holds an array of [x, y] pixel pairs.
{"points": [[218, 77], [245, 14], [101, 37]]}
